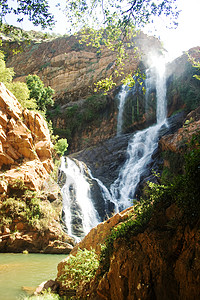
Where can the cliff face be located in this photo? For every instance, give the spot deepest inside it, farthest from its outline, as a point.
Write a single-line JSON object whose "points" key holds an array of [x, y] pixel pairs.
{"points": [[25, 146], [71, 69], [162, 259], [30, 204]]}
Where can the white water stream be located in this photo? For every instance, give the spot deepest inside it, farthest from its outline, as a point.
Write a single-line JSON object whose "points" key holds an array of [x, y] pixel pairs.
{"points": [[76, 194], [140, 147], [122, 100]]}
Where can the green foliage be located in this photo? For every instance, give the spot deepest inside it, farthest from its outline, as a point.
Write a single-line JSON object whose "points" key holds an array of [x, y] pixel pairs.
{"points": [[6, 74], [77, 117], [79, 269], [186, 87], [47, 295], [42, 95], [186, 190], [196, 64], [61, 146], [19, 89], [25, 205], [22, 93], [113, 25], [37, 11]]}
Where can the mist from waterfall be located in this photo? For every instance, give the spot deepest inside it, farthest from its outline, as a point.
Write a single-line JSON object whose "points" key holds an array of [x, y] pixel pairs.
{"points": [[80, 215]]}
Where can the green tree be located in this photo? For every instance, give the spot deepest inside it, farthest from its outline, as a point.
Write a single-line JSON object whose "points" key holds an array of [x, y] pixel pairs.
{"points": [[22, 93], [196, 64], [42, 95], [37, 11], [18, 89], [114, 24]]}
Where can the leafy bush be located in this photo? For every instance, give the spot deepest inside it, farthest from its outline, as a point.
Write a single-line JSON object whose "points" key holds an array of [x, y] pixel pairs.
{"points": [[22, 93], [6, 74], [61, 146], [80, 269], [42, 95]]}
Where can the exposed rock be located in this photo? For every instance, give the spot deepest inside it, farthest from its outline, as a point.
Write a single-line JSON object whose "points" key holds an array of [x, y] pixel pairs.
{"points": [[160, 263], [45, 286], [25, 165], [176, 142], [71, 68], [25, 146]]}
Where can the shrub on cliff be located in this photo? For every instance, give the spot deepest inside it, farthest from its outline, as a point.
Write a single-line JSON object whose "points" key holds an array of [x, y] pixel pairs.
{"points": [[42, 95], [18, 89], [79, 269], [61, 146]]}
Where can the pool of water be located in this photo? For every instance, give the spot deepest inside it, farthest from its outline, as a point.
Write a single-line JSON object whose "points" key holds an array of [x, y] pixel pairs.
{"points": [[25, 270]]}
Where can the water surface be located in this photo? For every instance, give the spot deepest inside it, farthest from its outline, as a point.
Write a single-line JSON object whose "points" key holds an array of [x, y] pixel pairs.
{"points": [[25, 270]]}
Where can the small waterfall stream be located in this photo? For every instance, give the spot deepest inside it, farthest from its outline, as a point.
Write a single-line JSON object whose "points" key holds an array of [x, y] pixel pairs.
{"points": [[122, 100]]}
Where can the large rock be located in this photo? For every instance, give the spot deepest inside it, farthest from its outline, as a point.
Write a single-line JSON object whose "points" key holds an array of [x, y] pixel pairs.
{"points": [[176, 142], [25, 146]]}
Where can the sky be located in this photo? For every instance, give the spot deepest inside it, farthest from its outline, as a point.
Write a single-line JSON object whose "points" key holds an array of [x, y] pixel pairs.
{"points": [[175, 41]]}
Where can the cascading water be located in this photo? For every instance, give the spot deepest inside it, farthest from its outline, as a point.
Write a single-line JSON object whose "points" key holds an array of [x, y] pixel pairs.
{"points": [[77, 204], [140, 148], [80, 215], [139, 152], [122, 99]]}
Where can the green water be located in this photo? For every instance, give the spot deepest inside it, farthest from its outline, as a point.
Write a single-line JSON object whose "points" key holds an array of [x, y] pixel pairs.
{"points": [[25, 270]]}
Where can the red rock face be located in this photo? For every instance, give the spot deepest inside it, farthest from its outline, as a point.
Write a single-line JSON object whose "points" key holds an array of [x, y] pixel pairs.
{"points": [[71, 68], [25, 146]]}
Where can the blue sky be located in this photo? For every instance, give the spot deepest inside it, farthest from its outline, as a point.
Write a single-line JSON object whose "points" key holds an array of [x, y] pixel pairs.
{"points": [[186, 36]]}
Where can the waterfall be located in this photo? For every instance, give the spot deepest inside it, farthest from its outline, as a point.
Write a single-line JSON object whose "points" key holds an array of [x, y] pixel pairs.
{"points": [[105, 194], [140, 148], [122, 100], [139, 152], [80, 215], [161, 111]]}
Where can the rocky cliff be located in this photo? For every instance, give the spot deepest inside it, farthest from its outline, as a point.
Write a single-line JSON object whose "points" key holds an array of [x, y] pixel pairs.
{"points": [[157, 257], [25, 146], [30, 206], [72, 69]]}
